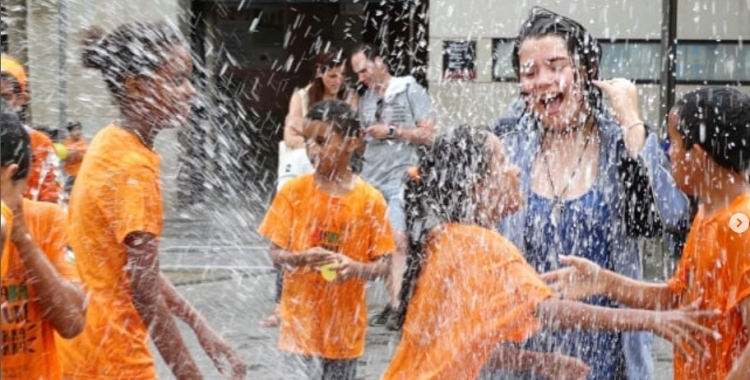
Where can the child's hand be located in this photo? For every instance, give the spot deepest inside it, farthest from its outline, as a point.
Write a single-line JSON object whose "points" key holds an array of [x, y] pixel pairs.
{"points": [[579, 280], [316, 257], [681, 327], [226, 360], [347, 268]]}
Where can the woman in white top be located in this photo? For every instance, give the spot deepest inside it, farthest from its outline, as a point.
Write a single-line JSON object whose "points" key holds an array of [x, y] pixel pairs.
{"points": [[328, 83]]}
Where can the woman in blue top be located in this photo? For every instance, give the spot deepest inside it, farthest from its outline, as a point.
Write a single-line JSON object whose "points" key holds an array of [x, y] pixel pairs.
{"points": [[593, 180]]}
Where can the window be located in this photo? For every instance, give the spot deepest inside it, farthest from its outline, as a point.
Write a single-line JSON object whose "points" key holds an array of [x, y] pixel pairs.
{"points": [[696, 61]]}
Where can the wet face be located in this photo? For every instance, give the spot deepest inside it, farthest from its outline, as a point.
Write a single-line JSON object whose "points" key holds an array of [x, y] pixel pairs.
{"points": [[550, 81], [502, 188], [166, 98], [326, 149], [684, 163], [333, 79]]}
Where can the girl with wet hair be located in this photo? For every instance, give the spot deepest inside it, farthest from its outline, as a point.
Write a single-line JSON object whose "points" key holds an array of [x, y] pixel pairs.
{"points": [[593, 179], [116, 216], [469, 298]]}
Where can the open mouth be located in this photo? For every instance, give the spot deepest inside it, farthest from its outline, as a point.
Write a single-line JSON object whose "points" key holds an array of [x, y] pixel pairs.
{"points": [[552, 102]]}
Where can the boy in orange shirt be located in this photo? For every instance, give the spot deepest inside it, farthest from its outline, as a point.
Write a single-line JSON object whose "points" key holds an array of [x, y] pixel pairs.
{"points": [[709, 132], [328, 218], [40, 294], [44, 179], [468, 293]]}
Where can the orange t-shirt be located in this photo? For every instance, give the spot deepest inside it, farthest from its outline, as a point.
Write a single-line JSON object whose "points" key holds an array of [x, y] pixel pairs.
{"points": [[117, 192], [28, 339], [8, 217], [320, 318], [475, 290], [715, 268], [76, 151], [44, 184]]}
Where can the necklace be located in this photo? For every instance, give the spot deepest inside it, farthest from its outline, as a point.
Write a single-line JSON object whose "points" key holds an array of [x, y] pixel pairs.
{"points": [[558, 203], [138, 135]]}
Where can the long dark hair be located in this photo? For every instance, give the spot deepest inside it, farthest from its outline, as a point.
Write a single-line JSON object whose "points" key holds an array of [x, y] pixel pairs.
{"points": [[442, 191], [583, 48], [15, 141], [718, 120], [324, 61]]}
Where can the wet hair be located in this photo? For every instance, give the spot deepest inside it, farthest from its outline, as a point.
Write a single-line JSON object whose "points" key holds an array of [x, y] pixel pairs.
{"points": [[131, 49], [448, 173], [73, 125], [583, 48], [339, 114], [326, 60], [15, 144], [718, 120]]}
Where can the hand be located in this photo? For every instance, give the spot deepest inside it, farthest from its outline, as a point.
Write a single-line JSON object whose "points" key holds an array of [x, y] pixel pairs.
{"points": [[623, 97], [564, 368], [316, 257], [378, 131], [682, 327], [579, 280], [347, 268], [218, 350]]}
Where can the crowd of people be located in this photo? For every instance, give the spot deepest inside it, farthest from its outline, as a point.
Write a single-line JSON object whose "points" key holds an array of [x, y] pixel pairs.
{"points": [[508, 251]]}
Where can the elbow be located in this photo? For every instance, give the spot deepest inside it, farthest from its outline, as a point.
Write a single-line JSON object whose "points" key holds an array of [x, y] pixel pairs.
{"points": [[73, 325]]}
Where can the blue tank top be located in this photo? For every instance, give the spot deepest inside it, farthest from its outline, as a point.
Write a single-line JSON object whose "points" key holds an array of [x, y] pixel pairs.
{"points": [[583, 230]]}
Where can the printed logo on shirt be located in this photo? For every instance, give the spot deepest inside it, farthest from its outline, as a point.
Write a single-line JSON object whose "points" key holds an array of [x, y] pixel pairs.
{"points": [[327, 240], [17, 333]]}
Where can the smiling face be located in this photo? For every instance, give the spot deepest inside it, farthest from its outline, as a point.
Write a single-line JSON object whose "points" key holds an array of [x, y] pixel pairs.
{"points": [[550, 81]]}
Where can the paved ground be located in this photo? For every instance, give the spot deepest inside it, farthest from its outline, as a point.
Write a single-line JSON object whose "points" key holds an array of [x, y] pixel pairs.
{"points": [[221, 267]]}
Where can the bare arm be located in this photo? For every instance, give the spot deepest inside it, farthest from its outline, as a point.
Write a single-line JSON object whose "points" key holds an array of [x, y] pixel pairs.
{"points": [[741, 368], [583, 278], [293, 124], [63, 302], [145, 281]]}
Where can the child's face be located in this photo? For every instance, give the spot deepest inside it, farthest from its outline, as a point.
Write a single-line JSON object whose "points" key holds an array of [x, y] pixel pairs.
{"points": [[167, 97], [326, 149], [683, 161], [502, 188], [75, 133]]}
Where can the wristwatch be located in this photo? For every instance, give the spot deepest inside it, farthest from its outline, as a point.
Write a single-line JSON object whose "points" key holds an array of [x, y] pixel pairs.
{"points": [[391, 131]]}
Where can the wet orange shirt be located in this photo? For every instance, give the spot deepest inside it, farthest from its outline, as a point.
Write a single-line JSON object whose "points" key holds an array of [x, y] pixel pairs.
{"points": [[8, 217], [44, 184], [29, 350], [117, 192], [715, 268], [475, 290], [76, 151], [320, 318]]}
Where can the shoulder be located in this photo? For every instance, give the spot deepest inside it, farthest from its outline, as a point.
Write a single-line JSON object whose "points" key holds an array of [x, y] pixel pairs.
{"points": [[296, 186], [38, 138], [367, 192], [43, 217]]}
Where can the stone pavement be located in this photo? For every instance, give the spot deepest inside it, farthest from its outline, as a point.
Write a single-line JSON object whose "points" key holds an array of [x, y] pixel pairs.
{"points": [[220, 265]]}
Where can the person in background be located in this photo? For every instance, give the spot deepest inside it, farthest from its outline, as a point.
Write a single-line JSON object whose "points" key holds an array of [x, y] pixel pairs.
{"points": [[76, 146], [116, 217], [593, 181], [397, 116], [41, 293], [45, 178]]}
